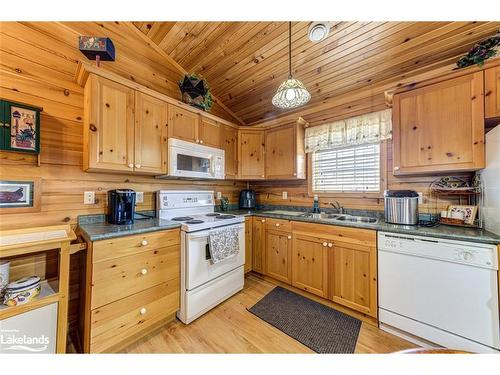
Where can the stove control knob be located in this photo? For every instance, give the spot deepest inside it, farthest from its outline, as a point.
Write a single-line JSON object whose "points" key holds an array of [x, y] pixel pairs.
{"points": [[144, 242]]}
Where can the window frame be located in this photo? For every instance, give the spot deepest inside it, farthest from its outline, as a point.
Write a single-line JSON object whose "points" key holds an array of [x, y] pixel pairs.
{"points": [[378, 195]]}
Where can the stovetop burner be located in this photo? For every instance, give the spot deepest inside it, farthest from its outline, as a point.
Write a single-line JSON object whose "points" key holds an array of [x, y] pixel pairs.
{"points": [[213, 214], [225, 217], [194, 222], [182, 218]]}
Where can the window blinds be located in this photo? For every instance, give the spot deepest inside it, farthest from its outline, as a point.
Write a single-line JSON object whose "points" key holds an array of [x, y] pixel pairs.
{"points": [[348, 169]]}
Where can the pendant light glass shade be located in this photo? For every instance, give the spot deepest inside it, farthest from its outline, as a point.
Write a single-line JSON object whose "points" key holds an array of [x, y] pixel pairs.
{"points": [[291, 93]]}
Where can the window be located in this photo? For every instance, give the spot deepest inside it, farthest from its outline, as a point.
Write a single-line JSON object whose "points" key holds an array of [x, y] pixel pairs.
{"points": [[350, 169]]}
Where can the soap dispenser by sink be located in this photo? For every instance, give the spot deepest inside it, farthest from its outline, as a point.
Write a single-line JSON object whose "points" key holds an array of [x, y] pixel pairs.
{"points": [[316, 210]]}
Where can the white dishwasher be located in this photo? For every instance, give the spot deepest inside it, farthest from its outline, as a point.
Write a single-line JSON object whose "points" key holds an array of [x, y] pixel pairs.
{"points": [[442, 291]]}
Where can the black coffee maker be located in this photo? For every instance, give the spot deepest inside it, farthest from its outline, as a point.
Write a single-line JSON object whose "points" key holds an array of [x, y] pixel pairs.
{"points": [[247, 199], [121, 206]]}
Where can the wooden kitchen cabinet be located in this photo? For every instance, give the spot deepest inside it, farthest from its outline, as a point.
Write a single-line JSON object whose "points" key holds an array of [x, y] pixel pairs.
{"points": [[285, 155], [352, 271], [492, 92], [310, 264], [108, 137], [278, 258], [209, 132], [440, 127], [248, 244], [258, 244], [150, 134], [229, 143], [251, 155], [183, 124]]}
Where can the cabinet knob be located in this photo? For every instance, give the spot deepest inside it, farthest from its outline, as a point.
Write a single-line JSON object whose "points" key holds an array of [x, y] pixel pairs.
{"points": [[396, 168], [131, 165], [144, 242], [142, 311], [197, 141], [263, 220], [295, 174], [330, 244], [277, 224], [325, 244], [137, 165], [201, 141], [262, 175], [144, 271], [289, 237]]}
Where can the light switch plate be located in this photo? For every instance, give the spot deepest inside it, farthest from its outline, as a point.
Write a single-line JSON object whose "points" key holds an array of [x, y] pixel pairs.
{"points": [[139, 197], [219, 195], [284, 195], [89, 197]]}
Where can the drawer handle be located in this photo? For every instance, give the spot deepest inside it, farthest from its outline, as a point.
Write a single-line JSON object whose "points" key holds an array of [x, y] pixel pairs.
{"points": [[330, 245], [142, 311], [325, 244], [144, 271], [277, 224], [144, 242]]}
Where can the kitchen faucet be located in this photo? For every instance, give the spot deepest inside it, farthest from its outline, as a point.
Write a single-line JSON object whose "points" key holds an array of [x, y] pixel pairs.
{"points": [[337, 206]]}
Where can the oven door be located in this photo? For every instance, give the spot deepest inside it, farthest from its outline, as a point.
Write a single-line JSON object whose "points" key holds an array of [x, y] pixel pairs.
{"points": [[199, 267], [191, 160]]}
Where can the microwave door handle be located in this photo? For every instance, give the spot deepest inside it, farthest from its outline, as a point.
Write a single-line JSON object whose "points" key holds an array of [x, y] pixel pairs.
{"points": [[212, 165]]}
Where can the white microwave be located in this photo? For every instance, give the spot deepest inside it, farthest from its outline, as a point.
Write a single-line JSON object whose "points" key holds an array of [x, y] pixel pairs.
{"points": [[186, 159]]}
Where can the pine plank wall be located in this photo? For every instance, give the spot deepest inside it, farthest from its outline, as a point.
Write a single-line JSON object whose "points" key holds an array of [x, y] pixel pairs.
{"points": [[37, 66]]}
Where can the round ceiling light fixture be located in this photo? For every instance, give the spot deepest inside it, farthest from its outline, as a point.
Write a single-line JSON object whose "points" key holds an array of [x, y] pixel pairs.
{"points": [[318, 31]]}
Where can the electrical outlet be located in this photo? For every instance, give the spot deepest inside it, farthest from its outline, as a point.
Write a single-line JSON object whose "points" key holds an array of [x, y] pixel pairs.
{"points": [[420, 198], [284, 195], [219, 195], [89, 197], [139, 197]]}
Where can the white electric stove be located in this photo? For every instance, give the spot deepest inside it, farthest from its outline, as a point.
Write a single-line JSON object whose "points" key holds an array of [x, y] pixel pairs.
{"points": [[204, 284]]}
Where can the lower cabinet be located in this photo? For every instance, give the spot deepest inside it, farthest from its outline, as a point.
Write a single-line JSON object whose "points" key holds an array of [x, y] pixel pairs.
{"points": [[132, 287], [278, 262], [248, 244], [309, 264], [353, 276], [258, 244]]}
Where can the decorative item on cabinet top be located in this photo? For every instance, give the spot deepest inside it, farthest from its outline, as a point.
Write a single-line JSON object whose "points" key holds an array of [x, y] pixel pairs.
{"points": [[196, 92], [19, 127], [481, 52], [97, 48]]}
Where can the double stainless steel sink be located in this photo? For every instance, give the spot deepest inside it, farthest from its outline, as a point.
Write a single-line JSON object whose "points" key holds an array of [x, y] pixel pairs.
{"points": [[326, 216]]}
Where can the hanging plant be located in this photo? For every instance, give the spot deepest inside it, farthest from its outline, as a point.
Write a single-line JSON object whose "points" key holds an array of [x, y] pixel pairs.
{"points": [[481, 52], [196, 92]]}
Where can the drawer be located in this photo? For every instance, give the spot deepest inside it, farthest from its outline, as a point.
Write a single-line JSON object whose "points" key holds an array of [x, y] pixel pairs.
{"points": [[114, 279], [121, 320], [279, 224], [358, 236], [129, 245]]}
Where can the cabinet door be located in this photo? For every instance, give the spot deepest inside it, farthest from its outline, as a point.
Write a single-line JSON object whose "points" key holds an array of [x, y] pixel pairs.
{"points": [[109, 126], [183, 124], [278, 255], [352, 273], [251, 155], [248, 244], [281, 161], [210, 132], [258, 244], [440, 127], [230, 147], [309, 264], [492, 92], [150, 135]]}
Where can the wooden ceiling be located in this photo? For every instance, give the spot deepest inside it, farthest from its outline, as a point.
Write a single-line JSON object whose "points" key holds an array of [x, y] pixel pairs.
{"points": [[244, 62]]}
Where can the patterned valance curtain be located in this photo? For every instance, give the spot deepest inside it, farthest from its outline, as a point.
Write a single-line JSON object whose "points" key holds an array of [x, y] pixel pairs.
{"points": [[370, 128]]}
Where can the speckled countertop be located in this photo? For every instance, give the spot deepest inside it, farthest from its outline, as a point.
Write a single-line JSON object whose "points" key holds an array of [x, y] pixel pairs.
{"points": [[439, 231], [95, 227]]}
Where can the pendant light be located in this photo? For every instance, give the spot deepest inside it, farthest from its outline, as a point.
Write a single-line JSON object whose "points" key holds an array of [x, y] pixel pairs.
{"points": [[291, 93]]}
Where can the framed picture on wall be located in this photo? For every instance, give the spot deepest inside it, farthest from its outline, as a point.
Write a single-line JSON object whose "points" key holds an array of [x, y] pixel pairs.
{"points": [[17, 196]]}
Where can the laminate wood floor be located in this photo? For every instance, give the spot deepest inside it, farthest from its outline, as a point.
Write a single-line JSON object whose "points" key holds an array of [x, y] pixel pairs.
{"points": [[230, 328]]}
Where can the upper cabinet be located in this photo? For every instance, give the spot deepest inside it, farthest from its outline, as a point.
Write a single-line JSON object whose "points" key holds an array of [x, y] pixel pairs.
{"points": [[492, 92], [285, 156], [251, 155], [229, 143], [150, 134], [440, 127], [108, 126], [183, 124], [209, 132]]}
